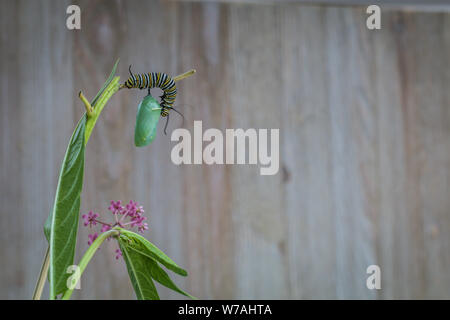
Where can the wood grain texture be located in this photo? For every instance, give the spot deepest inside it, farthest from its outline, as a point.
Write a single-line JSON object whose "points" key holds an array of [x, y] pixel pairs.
{"points": [[364, 145], [409, 5]]}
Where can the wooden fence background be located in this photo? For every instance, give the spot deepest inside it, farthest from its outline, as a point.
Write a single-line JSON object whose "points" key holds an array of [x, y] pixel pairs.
{"points": [[364, 124]]}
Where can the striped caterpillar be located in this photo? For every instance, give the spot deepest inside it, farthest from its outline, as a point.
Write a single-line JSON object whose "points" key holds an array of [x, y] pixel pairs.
{"points": [[155, 80]]}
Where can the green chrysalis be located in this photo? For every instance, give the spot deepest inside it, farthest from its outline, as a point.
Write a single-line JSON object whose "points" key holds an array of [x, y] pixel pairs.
{"points": [[147, 117]]}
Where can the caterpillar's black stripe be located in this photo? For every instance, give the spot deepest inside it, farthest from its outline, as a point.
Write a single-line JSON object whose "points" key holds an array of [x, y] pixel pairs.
{"points": [[155, 80]]}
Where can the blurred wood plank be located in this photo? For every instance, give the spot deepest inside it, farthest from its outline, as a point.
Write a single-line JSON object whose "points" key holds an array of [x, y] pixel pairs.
{"points": [[364, 145], [36, 124], [340, 2], [431, 80], [416, 5], [203, 43], [256, 47], [306, 168], [108, 152]]}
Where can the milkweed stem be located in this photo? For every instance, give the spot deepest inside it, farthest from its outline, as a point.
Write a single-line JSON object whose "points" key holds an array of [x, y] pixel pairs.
{"points": [[184, 75], [100, 104], [89, 109], [88, 256], [42, 276]]}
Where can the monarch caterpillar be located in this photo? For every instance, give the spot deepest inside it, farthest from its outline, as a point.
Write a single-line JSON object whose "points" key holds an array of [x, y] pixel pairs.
{"points": [[155, 80], [149, 109]]}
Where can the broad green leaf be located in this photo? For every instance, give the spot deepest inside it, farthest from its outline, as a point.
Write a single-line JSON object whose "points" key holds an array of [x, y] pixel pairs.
{"points": [[89, 123], [108, 81], [132, 244], [62, 225], [137, 265], [147, 117], [163, 278], [145, 247]]}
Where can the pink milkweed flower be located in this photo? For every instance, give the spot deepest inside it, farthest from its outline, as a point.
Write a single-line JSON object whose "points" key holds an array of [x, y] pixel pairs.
{"points": [[137, 219], [143, 227], [132, 217], [132, 208], [116, 207], [118, 254], [92, 238], [105, 228], [90, 219]]}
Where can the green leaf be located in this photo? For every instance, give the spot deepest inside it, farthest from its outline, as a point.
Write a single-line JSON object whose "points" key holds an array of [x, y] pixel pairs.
{"points": [[62, 225], [108, 81], [107, 93], [133, 247], [145, 247], [48, 222], [163, 278], [63, 219], [147, 117], [137, 270]]}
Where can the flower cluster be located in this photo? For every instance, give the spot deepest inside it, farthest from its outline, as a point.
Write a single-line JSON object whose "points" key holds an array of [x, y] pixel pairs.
{"points": [[129, 216]]}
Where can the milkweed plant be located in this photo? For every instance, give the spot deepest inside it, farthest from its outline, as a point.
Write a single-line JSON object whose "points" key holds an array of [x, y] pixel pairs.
{"points": [[124, 223]]}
